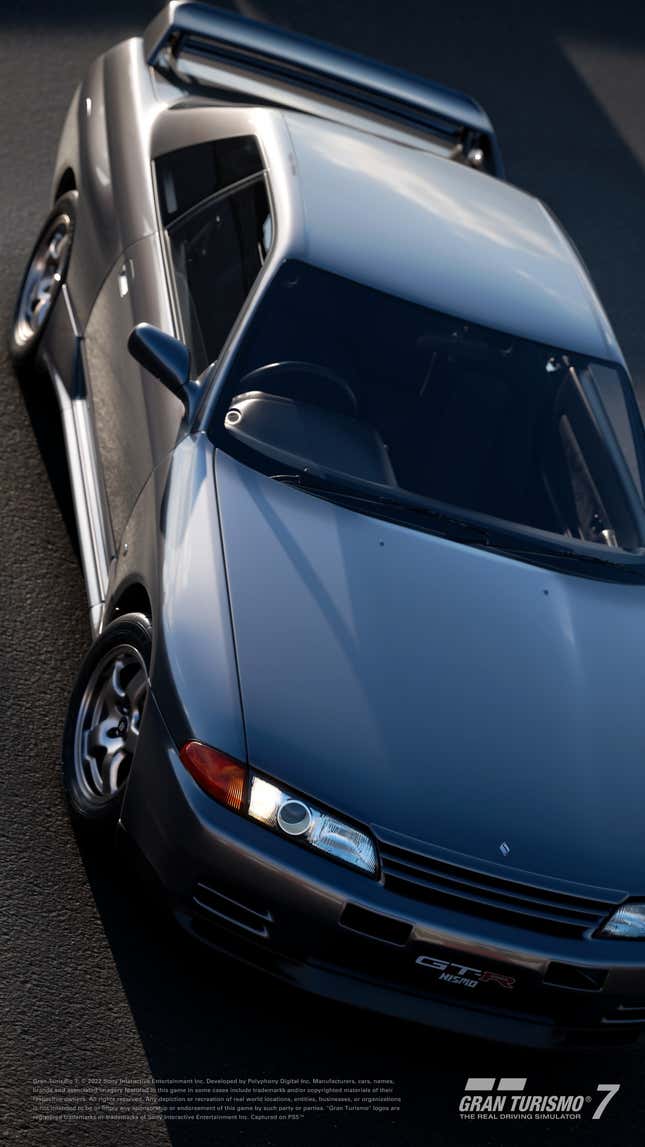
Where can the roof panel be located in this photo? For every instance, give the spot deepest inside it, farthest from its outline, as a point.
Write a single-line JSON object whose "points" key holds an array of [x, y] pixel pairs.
{"points": [[424, 228]]}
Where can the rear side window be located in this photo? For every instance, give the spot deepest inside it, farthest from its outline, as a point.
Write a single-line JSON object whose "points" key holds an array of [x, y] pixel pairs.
{"points": [[187, 176], [217, 252]]}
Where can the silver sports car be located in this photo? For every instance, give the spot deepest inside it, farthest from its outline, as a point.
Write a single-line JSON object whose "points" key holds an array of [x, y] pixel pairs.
{"points": [[358, 475]]}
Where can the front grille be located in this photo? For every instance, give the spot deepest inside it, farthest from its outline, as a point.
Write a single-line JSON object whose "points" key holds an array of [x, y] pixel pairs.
{"points": [[444, 881]]}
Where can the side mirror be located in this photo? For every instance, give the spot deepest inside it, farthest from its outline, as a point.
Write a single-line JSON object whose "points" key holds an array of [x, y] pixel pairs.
{"points": [[167, 359]]}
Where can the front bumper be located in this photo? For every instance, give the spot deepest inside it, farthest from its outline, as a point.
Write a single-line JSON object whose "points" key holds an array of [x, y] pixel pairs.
{"points": [[329, 930]]}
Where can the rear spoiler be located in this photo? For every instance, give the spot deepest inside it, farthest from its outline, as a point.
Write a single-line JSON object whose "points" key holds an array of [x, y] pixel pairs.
{"points": [[199, 47]]}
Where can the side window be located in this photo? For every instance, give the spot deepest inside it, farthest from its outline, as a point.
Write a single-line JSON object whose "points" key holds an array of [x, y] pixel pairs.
{"points": [[192, 174], [217, 252]]}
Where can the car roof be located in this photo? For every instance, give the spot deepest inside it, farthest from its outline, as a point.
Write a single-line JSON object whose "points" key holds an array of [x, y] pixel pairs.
{"points": [[424, 228]]}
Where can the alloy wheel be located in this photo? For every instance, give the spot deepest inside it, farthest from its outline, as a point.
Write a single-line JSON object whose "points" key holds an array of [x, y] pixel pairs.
{"points": [[43, 279], [108, 723]]}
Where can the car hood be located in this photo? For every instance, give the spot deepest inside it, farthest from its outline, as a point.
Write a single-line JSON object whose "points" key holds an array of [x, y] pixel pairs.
{"points": [[438, 691]]}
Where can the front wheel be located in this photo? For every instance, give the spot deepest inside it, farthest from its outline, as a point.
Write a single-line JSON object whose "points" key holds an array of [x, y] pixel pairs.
{"points": [[104, 719]]}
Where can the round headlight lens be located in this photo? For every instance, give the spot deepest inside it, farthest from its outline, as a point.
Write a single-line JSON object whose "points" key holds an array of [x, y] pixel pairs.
{"points": [[294, 817]]}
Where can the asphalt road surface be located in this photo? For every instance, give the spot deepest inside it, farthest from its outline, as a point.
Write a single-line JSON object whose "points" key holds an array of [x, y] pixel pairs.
{"points": [[91, 984]]}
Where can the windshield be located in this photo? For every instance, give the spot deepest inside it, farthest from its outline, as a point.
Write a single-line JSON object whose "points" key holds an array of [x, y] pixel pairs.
{"points": [[391, 394]]}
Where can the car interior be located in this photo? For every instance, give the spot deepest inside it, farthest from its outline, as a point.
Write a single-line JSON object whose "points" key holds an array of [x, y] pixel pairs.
{"points": [[473, 418]]}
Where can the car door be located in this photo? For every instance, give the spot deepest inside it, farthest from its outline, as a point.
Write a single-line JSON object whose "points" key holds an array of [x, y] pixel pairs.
{"points": [[136, 420], [191, 279]]}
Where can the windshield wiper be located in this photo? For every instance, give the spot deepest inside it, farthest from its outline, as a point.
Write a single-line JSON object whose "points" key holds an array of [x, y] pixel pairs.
{"points": [[354, 492], [556, 551], [506, 543]]}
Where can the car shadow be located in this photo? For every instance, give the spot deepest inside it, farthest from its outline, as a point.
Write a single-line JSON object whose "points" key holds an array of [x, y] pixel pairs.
{"points": [[202, 1015], [44, 415]]}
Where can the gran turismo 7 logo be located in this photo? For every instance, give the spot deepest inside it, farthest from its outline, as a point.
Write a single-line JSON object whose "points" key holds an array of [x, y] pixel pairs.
{"points": [[506, 1098]]}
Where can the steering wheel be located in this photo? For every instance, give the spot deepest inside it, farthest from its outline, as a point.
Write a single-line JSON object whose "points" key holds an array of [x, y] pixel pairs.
{"points": [[266, 377]]}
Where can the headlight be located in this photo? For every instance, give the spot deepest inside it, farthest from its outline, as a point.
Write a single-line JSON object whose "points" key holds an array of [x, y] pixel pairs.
{"points": [[291, 816], [232, 784], [627, 923]]}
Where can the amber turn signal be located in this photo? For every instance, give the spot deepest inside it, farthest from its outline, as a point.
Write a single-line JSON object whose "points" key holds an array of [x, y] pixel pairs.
{"points": [[220, 776]]}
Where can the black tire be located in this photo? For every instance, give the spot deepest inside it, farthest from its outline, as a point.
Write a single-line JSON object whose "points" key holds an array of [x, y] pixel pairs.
{"points": [[101, 729], [43, 278]]}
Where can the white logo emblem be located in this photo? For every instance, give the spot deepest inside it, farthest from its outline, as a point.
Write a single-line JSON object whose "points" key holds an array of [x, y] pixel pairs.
{"points": [[506, 1098]]}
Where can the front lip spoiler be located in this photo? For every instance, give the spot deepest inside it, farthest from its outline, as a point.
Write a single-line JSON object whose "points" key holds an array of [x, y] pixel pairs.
{"points": [[347, 988]]}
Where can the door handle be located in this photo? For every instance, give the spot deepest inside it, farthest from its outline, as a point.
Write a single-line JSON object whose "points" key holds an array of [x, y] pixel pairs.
{"points": [[124, 277]]}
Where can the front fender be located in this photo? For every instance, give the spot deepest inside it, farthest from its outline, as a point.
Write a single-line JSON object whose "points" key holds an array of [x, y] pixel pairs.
{"points": [[172, 546], [67, 156]]}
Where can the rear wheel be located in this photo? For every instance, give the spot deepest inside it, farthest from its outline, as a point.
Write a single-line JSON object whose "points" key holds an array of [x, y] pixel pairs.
{"points": [[104, 719], [42, 281]]}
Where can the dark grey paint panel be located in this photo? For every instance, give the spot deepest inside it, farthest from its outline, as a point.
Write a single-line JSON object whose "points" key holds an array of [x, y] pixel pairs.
{"points": [[448, 694]]}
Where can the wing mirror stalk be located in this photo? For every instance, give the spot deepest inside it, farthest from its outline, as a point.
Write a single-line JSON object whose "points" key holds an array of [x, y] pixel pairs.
{"points": [[168, 359]]}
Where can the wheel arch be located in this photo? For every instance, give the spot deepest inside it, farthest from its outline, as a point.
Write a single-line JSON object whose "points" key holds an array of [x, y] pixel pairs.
{"points": [[67, 182], [133, 597]]}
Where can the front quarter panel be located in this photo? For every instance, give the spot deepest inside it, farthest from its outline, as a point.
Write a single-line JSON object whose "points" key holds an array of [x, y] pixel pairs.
{"points": [[172, 546]]}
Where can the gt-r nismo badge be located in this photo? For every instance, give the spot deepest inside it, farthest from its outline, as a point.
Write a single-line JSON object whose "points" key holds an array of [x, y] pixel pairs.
{"points": [[464, 976]]}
